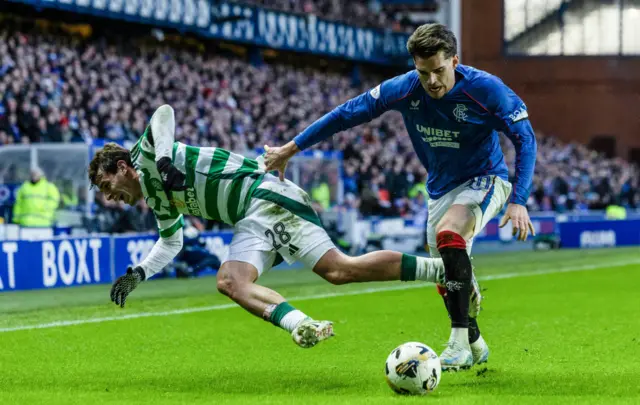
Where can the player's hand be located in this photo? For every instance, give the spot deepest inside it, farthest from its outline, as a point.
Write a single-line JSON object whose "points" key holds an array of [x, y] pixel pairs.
{"points": [[276, 158], [172, 178], [519, 217], [125, 284]]}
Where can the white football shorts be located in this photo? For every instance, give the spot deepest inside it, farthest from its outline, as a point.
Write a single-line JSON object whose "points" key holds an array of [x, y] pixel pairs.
{"points": [[484, 195], [279, 222]]}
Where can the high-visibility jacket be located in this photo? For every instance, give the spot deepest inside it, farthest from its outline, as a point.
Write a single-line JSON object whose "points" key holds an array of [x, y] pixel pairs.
{"points": [[36, 204], [69, 200], [419, 188], [616, 212], [322, 194]]}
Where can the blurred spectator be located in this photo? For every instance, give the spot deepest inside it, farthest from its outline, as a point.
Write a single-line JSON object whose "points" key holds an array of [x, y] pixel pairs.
{"points": [[419, 187], [350, 179], [320, 191], [12, 128], [108, 216], [37, 201], [117, 217], [139, 218]]}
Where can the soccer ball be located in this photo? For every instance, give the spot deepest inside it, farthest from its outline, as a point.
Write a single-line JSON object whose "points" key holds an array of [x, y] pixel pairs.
{"points": [[413, 369]]}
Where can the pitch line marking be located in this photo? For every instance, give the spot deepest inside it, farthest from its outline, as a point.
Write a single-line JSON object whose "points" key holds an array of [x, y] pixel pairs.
{"points": [[57, 324]]}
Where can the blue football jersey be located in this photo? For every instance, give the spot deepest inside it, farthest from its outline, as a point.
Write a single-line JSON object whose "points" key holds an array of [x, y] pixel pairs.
{"points": [[455, 137]]}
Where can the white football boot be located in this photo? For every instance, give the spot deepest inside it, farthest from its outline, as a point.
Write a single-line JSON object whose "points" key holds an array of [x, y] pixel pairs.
{"points": [[480, 351], [457, 356], [310, 332]]}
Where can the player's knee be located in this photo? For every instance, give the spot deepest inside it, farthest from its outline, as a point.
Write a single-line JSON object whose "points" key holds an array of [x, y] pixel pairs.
{"points": [[458, 226], [229, 285], [234, 278], [334, 267], [337, 277], [459, 219], [224, 284]]}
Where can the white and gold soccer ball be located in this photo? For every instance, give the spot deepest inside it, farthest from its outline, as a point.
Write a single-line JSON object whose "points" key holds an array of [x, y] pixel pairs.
{"points": [[413, 368]]}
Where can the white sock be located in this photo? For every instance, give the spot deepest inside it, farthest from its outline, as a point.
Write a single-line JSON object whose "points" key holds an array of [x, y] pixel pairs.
{"points": [[478, 344], [291, 320], [461, 335], [428, 269]]}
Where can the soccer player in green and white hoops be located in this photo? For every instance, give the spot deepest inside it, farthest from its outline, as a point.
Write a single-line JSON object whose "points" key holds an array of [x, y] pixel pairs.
{"points": [[273, 220]]}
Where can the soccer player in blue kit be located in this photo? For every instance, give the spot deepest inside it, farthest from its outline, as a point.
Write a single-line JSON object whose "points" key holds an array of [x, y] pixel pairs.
{"points": [[453, 114]]}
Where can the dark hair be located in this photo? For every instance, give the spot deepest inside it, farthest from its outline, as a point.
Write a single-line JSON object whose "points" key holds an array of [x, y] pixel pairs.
{"points": [[429, 39], [107, 159]]}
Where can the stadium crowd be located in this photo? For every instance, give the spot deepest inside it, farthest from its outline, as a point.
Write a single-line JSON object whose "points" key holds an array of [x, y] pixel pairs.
{"points": [[361, 13], [58, 88]]}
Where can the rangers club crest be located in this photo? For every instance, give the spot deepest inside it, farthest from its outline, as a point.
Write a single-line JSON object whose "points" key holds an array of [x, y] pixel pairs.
{"points": [[460, 112]]}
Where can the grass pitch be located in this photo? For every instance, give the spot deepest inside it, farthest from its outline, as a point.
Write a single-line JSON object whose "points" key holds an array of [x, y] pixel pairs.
{"points": [[562, 326]]}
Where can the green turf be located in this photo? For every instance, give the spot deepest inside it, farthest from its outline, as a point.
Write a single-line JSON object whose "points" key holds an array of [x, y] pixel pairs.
{"points": [[562, 327]]}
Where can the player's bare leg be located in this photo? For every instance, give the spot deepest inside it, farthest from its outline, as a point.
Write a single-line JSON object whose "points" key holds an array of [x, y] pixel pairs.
{"points": [[237, 281], [452, 232], [384, 265]]}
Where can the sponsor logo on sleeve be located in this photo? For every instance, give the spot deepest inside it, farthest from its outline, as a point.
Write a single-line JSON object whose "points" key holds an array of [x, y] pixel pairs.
{"points": [[520, 114]]}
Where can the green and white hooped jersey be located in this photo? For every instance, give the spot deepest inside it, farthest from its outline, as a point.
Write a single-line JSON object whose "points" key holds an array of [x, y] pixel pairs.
{"points": [[220, 184]]}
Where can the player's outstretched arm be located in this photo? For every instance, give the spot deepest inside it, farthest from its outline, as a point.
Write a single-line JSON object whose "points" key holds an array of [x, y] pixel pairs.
{"points": [[354, 112], [364, 108], [163, 124], [162, 253], [162, 137]]}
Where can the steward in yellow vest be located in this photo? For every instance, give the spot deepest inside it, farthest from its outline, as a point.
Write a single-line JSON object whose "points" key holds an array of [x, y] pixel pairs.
{"points": [[36, 202]]}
